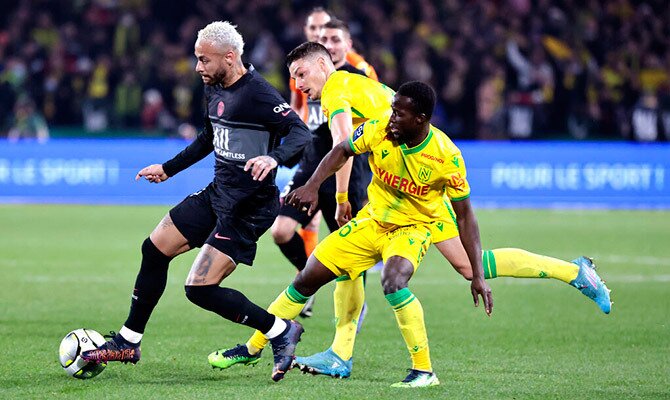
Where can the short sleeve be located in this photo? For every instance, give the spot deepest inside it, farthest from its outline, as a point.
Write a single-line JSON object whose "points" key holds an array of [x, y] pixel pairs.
{"points": [[457, 187], [366, 136], [336, 99]]}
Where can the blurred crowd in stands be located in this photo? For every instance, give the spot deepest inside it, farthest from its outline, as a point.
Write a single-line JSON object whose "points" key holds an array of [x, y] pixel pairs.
{"points": [[520, 69]]}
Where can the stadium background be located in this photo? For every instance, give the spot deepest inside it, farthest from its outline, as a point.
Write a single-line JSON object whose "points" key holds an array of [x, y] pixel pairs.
{"points": [[507, 71], [556, 104]]}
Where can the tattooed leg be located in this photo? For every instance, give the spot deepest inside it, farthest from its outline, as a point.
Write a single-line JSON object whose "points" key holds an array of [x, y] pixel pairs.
{"points": [[168, 239], [202, 288], [210, 267]]}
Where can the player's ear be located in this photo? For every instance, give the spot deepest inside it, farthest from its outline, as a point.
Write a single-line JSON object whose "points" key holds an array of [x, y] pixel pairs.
{"points": [[229, 57], [421, 118], [322, 63]]}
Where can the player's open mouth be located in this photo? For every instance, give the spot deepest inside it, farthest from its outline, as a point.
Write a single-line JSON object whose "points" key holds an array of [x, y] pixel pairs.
{"points": [[391, 129], [392, 132]]}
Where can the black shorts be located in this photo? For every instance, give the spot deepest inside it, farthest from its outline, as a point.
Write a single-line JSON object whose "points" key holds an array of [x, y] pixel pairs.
{"points": [[327, 203], [229, 220]]}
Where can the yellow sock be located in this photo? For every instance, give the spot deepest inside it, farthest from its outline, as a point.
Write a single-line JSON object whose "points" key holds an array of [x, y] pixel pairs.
{"points": [[287, 305], [519, 263], [409, 314], [348, 299]]}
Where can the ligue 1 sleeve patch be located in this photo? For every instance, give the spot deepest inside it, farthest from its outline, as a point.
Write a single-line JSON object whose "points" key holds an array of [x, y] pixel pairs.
{"points": [[456, 181], [358, 132]]}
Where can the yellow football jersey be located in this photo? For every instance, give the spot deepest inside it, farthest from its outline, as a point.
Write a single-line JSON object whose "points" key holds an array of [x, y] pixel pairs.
{"points": [[408, 184], [363, 97]]}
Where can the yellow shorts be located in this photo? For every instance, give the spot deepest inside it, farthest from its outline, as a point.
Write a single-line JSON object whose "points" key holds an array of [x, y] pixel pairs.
{"points": [[445, 228], [361, 243]]}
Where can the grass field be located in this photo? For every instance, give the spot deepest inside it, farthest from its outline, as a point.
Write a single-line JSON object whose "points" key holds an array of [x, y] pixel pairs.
{"points": [[65, 267]]}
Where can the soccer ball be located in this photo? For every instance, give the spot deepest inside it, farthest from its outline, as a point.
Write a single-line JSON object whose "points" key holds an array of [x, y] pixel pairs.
{"points": [[71, 347]]}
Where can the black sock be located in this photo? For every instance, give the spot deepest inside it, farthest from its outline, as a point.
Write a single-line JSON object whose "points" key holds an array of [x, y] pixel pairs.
{"points": [[231, 305], [294, 250], [149, 286]]}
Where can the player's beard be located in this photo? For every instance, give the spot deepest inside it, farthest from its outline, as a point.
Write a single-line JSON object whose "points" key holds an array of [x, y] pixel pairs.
{"points": [[217, 77]]}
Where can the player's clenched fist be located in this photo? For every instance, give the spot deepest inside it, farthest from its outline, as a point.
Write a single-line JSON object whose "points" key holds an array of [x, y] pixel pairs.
{"points": [[153, 173]]}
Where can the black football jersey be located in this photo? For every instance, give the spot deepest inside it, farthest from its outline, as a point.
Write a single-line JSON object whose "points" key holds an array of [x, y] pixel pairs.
{"points": [[245, 120]]}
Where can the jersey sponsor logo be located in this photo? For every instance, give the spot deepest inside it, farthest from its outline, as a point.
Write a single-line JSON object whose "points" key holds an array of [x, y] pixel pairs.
{"points": [[219, 108], [424, 174], [402, 184], [433, 158], [222, 143], [456, 181], [384, 153], [358, 133], [281, 108], [231, 155]]}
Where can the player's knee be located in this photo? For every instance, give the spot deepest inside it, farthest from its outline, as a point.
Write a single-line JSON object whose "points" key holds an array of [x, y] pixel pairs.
{"points": [[196, 294], [282, 233], [396, 274], [150, 251], [392, 282]]}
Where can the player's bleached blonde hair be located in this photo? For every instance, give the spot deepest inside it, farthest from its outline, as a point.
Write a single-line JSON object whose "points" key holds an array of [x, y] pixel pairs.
{"points": [[224, 34]]}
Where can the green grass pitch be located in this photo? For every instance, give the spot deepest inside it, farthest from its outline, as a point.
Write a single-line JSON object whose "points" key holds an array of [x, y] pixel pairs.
{"points": [[66, 267]]}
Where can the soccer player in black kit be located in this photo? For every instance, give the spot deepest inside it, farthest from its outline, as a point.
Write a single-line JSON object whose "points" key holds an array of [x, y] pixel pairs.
{"points": [[336, 39], [247, 118]]}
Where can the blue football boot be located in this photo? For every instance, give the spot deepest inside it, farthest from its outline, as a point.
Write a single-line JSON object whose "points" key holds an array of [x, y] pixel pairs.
{"points": [[325, 363], [589, 283]]}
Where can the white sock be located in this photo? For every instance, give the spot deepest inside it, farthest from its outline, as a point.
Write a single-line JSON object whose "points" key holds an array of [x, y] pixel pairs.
{"points": [[129, 335], [277, 329]]}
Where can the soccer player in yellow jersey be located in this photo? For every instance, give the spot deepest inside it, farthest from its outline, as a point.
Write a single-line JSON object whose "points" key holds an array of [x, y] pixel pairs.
{"points": [[410, 178], [406, 199], [310, 65]]}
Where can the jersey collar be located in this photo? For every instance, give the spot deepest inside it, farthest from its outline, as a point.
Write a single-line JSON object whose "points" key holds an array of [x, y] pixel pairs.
{"points": [[407, 151]]}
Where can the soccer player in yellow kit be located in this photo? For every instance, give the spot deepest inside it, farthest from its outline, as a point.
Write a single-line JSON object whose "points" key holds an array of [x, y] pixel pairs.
{"points": [[349, 100], [406, 199], [409, 181]]}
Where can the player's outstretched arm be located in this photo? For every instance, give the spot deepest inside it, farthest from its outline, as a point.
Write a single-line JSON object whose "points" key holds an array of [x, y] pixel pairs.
{"points": [[306, 197], [469, 233], [153, 173]]}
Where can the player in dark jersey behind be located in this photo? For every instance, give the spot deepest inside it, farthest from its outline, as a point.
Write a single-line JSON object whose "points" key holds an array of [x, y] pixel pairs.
{"points": [[336, 38], [247, 119]]}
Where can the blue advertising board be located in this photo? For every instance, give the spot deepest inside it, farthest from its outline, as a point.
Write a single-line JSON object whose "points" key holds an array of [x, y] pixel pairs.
{"points": [[568, 174], [501, 174]]}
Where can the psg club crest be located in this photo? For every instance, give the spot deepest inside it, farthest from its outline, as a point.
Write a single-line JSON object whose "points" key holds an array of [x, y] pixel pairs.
{"points": [[219, 109]]}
